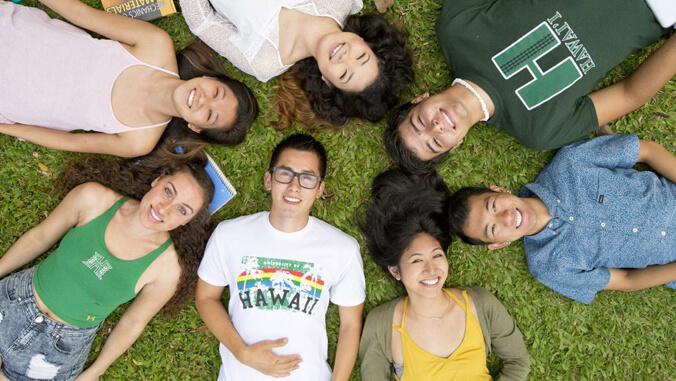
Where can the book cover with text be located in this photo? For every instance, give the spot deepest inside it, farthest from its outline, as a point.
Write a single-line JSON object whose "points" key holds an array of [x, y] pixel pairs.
{"points": [[146, 10]]}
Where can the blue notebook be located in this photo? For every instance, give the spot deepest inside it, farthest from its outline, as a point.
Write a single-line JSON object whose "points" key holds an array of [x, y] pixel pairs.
{"points": [[223, 190]]}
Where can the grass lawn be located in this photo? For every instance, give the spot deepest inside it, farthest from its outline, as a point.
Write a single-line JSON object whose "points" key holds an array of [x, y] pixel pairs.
{"points": [[619, 336]]}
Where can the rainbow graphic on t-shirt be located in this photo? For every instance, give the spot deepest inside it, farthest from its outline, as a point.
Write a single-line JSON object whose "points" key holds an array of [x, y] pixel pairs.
{"points": [[272, 284]]}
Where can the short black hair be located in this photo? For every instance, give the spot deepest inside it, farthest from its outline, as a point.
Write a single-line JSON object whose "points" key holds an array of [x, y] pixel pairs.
{"points": [[301, 142], [402, 207], [459, 212], [395, 147]]}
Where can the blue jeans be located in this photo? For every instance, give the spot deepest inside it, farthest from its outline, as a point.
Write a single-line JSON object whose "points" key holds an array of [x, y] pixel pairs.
{"points": [[33, 346]]}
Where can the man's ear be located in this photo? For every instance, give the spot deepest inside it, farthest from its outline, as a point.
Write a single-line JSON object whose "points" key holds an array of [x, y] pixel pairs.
{"points": [[267, 180], [499, 189], [420, 98], [320, 191], [194, 128], [498, 245], [394, 270]]}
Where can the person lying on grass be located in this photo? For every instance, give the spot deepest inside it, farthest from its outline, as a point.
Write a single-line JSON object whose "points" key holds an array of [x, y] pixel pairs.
{"points": [[434, 333], [340, 65], [119, 240], [589, 221], [283, 268], [55, 78], [530, 68]]}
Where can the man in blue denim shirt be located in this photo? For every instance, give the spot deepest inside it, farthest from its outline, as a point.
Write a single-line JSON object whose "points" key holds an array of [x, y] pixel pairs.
{"points": [[590, 221]]}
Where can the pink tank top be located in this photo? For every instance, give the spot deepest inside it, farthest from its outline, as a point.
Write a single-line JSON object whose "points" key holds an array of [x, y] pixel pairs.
{"points": [[55, 75]]}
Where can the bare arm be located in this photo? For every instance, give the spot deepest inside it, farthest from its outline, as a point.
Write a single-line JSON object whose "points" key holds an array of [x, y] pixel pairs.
{"points": [[631, 93], [115, 27], [40, 238], [128, 144], [638, 279], [259, 355], [658, 158], [146, 304], [348, 341]]}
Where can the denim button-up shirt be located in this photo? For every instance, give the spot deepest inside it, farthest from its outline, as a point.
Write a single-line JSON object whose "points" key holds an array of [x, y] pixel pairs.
{"points": [[606, 215]]}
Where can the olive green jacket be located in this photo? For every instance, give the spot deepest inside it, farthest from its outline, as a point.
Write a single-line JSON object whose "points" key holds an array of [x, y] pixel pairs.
{"points": [[501, 335]]}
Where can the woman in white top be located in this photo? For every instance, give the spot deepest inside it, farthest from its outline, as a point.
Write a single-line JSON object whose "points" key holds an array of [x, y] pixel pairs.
{"points": [[344, 66]]}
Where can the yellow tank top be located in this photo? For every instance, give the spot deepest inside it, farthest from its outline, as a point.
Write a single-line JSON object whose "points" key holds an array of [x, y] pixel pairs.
{"points": [[468, 362]]}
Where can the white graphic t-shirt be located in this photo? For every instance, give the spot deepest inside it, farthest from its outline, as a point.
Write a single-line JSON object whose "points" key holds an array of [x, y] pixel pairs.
{"points": [[280, 286]]}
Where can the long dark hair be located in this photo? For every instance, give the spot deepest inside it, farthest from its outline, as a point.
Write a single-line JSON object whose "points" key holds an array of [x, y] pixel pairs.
{"points": [[403, 206], [198, 60], [133, 178], [303, 95]]}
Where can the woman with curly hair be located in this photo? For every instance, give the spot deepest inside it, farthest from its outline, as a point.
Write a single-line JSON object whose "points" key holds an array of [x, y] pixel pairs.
{"points": [[434, 333], [344, 66], [55, 78], [128, 230]]}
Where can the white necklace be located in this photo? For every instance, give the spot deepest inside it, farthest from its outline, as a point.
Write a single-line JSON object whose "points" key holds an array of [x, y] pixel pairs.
{"points": [[484, 108]]}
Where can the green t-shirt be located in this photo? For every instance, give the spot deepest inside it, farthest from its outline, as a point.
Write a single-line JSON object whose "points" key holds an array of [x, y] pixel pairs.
{"points": [[538, 59]]}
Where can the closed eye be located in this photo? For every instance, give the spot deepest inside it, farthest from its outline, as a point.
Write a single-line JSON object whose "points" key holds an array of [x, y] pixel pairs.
{"points": [[361, 56], [216, 95], [209, 117], [343, 75], [436, 142]]}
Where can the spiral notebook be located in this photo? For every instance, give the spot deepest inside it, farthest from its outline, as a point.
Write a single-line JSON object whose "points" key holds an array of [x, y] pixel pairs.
{"points": [[223, 189]]}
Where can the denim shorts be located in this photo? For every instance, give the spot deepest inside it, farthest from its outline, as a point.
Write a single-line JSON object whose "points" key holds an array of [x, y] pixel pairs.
{"points": [[33, 346]]}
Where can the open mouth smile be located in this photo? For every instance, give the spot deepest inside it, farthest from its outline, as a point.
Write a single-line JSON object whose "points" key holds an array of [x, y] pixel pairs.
{"points": [[292, 200], [335, 50], [519, 218], [154, 216], [447, 118], [431, 282], [191, 97]]}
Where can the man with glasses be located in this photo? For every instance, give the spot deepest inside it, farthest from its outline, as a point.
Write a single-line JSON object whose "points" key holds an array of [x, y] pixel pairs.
{"points": [[283, 267]]}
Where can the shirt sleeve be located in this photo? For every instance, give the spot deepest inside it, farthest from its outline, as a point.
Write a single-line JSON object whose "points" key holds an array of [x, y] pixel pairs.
{"points": [[375, 364], [506, 338], [611, 151], [213, 268], [215, 30], [577, 284], [350, 290]]}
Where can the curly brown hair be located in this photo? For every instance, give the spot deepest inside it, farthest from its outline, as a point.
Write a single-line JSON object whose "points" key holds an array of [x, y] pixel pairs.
{"points": [[133, 178], [303, 96]]}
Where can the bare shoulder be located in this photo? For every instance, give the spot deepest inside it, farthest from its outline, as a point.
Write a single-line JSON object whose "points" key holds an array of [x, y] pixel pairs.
{"points": [[458, 294], [92, 199], [166, 269]]}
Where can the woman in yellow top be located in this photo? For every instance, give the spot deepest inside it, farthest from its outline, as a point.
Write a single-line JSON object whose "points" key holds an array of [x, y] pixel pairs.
{"points": [[434, 333]]}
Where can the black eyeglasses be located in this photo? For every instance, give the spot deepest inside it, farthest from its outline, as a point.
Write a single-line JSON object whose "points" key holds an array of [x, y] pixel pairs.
{"points": [[285, 176]]}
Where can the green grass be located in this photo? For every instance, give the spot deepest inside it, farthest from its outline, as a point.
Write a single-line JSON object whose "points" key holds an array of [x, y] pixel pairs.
{"points": [[619, 336]]}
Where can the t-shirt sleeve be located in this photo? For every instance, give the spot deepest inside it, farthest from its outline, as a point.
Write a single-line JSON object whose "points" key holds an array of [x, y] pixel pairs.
{"points": [[580, 285], [350, 290], [213, 268], [611, 151]]}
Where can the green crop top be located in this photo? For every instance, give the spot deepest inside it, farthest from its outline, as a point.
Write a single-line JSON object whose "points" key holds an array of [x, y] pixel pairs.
{"points": [[81, 281]]}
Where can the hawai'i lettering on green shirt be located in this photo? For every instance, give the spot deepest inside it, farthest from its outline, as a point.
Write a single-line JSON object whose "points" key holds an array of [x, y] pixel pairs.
{"points": [[538, 60]]}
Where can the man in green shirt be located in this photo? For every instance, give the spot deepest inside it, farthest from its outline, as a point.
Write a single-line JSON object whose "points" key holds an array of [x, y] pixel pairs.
{"points": [[528, 68]]}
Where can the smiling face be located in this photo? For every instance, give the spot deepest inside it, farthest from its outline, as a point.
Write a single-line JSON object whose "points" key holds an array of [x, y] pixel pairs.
{"points": [[423, 267], [437, 124], [291, 203], [346, 61], [172, 201], [206, 103], [503, 218]]}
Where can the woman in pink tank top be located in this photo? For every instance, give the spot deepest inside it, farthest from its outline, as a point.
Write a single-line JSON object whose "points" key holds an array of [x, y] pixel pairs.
{"points": [[56, 78], [144, 247]]}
